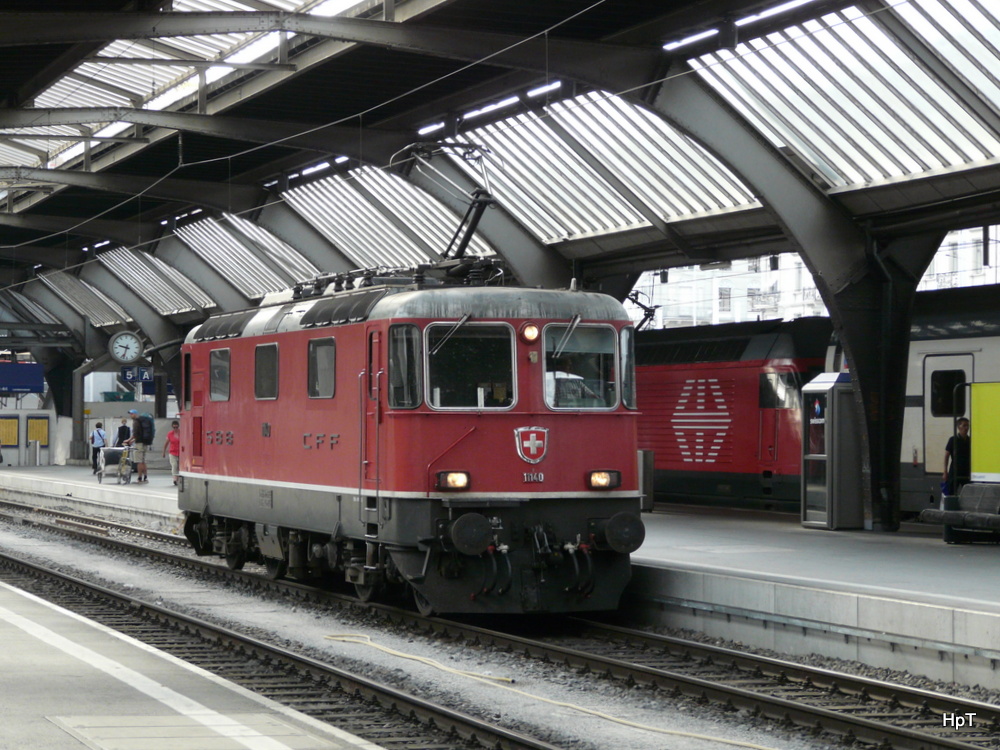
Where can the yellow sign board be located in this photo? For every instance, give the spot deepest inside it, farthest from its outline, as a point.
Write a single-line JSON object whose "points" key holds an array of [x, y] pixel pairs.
{"points": [[985, 432], [38, 429], [9, 432]]}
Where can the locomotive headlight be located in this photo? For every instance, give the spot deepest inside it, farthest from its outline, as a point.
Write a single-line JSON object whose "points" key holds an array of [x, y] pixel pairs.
{"points": [[529, 332], [604, 480], [453, 480]]}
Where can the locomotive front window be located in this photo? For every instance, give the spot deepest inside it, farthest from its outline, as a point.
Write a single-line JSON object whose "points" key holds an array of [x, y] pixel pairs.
{"points": [[580, 367], [470, 365], [404, 367], [322, 370], [218, 379]]}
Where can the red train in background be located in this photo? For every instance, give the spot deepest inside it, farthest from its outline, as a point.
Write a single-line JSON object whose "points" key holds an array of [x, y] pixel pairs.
{"points": [[426, 432], [719, 408]]}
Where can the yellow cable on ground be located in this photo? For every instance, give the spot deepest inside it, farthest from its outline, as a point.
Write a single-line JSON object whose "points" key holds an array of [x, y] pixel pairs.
{"points": [[366, 640]]}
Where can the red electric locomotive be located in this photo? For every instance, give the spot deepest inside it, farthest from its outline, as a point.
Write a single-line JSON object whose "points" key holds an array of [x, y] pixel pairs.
{"points": [[720, 409], [476, 444]]}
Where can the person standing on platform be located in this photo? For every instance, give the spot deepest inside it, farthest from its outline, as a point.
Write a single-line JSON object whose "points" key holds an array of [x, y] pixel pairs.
{"points": [[124, 433], [957, 458], [98, 440], [142, 440], [173, 443]]}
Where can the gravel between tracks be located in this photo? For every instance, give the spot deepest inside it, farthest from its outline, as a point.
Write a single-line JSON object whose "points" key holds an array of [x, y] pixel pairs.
{"points": [[302, 625]]}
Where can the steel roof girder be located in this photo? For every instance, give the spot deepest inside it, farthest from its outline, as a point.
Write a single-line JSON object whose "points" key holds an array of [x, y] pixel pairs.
{"points": [[50, 257], [123, 232], [226, 197], [532, 263], [830, 242], [324, 138], [603, 65]]}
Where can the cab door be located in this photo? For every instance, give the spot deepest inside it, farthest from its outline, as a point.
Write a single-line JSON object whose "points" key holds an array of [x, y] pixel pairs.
{"points": [[372, 381], [195, 391]]}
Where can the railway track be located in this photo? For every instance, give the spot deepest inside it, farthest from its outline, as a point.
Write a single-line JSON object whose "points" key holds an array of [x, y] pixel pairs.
{"points": [[378, 713], [836, 704]]}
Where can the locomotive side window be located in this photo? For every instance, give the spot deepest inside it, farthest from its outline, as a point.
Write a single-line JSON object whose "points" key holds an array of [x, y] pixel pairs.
{"points": [[628, 367], [946, 399], [322, 368], [265, 371], [778, 390], [218, 383], [404, 367], [580, 367], [470, 365]]}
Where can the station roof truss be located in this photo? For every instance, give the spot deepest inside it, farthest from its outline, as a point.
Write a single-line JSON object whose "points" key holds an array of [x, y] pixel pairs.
{"points": [[161, 161]]}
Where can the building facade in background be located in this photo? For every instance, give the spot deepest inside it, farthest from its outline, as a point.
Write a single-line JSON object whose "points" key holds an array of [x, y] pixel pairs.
{"points": [[780, 286]]}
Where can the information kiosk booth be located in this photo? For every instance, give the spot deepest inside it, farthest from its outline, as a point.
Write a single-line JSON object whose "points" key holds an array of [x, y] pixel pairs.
{"points": [[831, 454]]}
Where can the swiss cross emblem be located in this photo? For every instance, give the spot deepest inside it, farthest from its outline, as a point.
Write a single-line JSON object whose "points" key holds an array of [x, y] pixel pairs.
{"points": [[531, 443]]}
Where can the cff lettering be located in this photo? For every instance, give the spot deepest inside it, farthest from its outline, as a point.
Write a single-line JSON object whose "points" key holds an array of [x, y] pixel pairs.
{"points": [[958, 721]]}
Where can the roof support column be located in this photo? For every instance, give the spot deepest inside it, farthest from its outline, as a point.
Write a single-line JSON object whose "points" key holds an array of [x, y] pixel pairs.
{"points": [[873, 320], [868, 294]]}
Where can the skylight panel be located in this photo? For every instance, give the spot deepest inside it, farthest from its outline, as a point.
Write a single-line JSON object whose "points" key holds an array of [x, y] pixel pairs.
{"points": [[844, 95]]}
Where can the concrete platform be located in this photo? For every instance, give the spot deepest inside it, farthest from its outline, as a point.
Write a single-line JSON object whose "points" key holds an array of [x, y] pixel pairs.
{"points": [[904, 601], [77, 488], [69, 683]]}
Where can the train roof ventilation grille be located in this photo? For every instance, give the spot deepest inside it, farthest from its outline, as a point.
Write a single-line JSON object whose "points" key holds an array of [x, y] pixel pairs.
{"points": [[224, 326], [339, 310], [726, 350]]}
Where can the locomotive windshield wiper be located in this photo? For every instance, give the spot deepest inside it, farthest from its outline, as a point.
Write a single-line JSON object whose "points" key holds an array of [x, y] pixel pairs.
{"points": [[565, 337], [461, 322]]}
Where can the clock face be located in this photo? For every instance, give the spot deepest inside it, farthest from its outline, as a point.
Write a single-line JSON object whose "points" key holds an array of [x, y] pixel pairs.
{"points": [[125, 346]]}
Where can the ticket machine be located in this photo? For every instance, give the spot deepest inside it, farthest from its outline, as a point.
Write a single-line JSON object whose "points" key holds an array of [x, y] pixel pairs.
{"points": [[831, 454]]}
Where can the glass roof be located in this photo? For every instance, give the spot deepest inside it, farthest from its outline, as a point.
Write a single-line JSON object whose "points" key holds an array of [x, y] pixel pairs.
{"points": [[90, 302], [852, 93], [134, 268], [233, 259], [371, 231], [854, 102]]}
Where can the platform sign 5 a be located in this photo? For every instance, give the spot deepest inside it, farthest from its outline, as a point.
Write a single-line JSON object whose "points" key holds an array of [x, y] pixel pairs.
{"points": [[985, 432], [133, 374]]}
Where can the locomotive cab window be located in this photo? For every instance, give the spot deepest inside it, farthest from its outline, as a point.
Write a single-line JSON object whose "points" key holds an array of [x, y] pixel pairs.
{"points": [[404, 367], [322, 369], [265, 371], [580, 367], [946, 399], [628, 367], [778, 390], [218, 380], [470, 365]]}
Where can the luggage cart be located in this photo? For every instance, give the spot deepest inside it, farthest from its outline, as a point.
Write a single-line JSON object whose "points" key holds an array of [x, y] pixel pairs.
{"points": [[116, 462]]}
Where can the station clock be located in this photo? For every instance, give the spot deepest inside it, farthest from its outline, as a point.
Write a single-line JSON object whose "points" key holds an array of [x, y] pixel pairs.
{"points": [[125, 347]]}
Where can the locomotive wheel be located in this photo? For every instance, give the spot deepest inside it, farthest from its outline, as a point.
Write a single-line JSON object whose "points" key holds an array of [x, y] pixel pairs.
{"points": [[237, 560], [365, 592], [276, 569], [424, 607]]}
